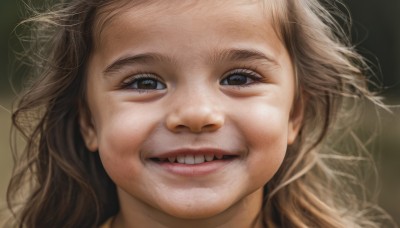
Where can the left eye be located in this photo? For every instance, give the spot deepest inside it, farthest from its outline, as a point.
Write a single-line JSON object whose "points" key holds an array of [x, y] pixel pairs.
{"points": [[236, 80], [239, 78], [144, 83], [147, 84]]}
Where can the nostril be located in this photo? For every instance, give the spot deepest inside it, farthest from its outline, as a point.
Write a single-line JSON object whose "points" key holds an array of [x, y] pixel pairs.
{"points": [[194, 120], [195, 129], [209, 127], [180, 127]]}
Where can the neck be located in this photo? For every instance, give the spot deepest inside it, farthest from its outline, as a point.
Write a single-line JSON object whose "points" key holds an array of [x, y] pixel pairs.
{"points": [[245, 213]]}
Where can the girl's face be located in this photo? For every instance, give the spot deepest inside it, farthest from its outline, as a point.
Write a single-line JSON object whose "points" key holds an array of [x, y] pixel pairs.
{"points": [[190, 106]]}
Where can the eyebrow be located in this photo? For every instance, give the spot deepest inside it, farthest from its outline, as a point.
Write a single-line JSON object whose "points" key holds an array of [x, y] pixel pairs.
{"points": [[216, 57], [241, 55], [135, 59]]}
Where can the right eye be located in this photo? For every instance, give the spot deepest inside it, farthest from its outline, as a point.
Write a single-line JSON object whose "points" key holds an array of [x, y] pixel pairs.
{"points": [[144, 82], [241, 78]]}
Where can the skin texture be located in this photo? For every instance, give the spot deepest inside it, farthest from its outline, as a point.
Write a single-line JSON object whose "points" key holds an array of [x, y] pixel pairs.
{"points": [[192, 56]]}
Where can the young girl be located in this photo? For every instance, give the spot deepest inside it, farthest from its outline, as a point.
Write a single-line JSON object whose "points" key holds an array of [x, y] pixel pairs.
{"points": [[189, 114]]}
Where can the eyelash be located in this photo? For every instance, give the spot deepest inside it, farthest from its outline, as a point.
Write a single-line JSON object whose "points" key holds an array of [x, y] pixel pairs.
{"points": [[247, 72], [129, 82]]}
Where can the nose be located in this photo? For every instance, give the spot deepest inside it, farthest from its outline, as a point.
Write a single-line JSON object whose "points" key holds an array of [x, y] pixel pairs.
{"points": [[194, 115]]}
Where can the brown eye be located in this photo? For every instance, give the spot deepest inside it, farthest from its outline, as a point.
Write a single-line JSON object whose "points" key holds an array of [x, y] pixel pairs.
{"points": [[240, 77], [144, 82], [235, 80], [147, 84]]}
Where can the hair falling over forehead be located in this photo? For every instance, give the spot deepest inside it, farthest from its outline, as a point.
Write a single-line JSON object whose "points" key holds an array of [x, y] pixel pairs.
{"points": [[306, 191]]}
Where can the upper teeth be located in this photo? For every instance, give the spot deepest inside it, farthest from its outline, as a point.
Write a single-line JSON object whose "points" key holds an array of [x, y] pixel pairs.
{"points": [[191, 159]]}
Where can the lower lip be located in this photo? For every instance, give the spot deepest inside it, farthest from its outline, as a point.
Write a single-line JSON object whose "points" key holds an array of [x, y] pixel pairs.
{"points": [[201, 169]]}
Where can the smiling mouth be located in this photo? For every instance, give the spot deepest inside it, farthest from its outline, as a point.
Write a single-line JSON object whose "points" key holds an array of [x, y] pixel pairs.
{"points": [[193, 159]]}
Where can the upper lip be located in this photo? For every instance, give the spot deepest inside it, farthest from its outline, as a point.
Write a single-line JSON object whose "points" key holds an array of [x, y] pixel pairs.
{"points": [[192, 151]]}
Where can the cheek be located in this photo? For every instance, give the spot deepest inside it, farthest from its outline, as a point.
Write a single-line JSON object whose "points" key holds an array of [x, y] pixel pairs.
{"points": [[121, 135], [264, 124], [265, 131]]}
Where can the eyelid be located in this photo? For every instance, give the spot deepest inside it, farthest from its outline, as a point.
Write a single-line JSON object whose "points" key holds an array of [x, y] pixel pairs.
{"points": [[244, 70], [140, 75], [247, 72]]}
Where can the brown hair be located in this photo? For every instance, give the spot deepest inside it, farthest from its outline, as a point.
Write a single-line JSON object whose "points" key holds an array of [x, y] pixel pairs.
{"points": [[69, 186], [317, 184]]}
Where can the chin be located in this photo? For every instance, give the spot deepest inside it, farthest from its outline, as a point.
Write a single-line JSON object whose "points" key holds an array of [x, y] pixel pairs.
{"points": [[193, 211]]}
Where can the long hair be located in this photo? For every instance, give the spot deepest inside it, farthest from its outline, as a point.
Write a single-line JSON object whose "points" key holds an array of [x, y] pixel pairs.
{"points": [[68, 186], [318, 185]]}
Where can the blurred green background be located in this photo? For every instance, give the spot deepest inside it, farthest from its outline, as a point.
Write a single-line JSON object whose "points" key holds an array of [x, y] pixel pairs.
{"points": [[377, 35]]}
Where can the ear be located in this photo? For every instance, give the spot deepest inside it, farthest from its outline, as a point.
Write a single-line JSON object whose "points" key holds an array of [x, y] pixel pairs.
{"points": [[88, 130], [296, 119]]}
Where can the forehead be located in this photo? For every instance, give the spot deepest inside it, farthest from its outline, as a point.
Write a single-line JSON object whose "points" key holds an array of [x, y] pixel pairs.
{"points": [[150, 11]]}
